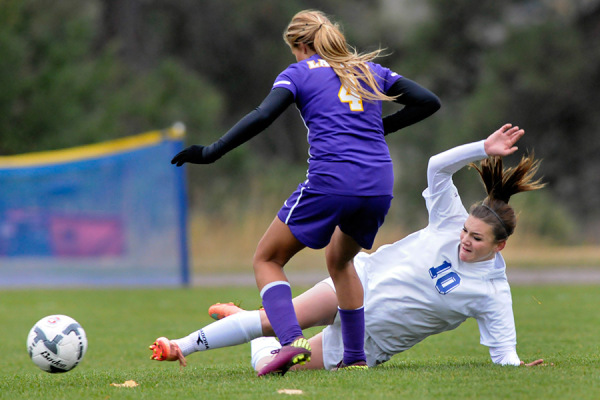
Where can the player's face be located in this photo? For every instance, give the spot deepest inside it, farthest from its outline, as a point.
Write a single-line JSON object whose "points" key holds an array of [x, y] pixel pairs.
{"points": [[477, 242]]}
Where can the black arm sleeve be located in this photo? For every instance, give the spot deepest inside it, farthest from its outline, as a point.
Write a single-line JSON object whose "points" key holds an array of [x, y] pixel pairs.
{"points": [[251, 125], [419, 103]]}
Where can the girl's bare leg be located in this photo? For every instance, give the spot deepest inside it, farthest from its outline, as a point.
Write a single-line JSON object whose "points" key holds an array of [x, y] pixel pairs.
{"points": [[274, 250], [340, 255]]}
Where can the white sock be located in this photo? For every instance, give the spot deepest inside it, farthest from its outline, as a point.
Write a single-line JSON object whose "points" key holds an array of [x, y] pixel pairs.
{"points": [[262, 347], [236, 329]]}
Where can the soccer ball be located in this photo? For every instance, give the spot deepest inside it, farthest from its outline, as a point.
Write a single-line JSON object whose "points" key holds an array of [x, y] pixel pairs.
{"points": [[56, 343]]}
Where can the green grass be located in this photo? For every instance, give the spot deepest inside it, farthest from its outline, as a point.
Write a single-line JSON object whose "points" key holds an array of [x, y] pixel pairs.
{"points": [[560, 324]]}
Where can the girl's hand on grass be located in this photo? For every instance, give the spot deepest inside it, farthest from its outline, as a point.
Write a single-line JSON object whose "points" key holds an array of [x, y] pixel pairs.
{"points": [[534, 363]]}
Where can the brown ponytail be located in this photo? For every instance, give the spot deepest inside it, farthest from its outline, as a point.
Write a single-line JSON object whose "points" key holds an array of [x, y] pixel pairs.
{"points": [[500, 184]]}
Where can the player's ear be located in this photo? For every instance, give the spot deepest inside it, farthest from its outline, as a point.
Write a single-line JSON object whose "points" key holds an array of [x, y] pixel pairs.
{"points": [[500, 245], [303, 48]]}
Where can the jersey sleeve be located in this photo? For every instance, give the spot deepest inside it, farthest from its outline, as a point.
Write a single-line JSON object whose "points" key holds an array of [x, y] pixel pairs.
{"points": [[388, 76], [496, 322], [505, 355], [441, 196], [288, 79]]}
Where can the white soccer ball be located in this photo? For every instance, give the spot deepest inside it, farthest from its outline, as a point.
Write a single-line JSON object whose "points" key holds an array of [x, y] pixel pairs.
{"points": [[57, 343]]}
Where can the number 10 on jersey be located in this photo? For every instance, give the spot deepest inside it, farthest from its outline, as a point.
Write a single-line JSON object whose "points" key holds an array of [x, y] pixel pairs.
{"points": [[446, 281]]}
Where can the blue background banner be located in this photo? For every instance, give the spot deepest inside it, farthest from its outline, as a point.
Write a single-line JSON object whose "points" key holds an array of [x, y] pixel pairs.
{"points": [[107, 214]]}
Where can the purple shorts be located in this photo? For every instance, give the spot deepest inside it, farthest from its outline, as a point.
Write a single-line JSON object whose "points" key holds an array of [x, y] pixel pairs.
{"points": [[312, 216]]}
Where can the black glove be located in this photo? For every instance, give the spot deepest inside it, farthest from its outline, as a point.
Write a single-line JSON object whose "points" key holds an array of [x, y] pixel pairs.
{"points": [[196, 154]]}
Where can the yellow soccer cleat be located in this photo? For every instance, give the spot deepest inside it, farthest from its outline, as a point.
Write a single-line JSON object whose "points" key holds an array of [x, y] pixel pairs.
{"points": [[359, 365], [298, 352]]}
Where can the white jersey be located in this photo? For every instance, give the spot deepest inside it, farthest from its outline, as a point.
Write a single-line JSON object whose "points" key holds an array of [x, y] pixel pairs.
{"points": [[419, 287]]}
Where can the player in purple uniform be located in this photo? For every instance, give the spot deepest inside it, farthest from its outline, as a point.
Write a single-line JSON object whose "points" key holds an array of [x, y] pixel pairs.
{"points": [[349, 184]]}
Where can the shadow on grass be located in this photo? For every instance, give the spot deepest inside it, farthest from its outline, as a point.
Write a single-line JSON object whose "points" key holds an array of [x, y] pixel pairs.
{"points": [[434, 364]]}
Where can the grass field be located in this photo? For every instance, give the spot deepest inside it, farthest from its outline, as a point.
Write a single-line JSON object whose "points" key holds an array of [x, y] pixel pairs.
{"points": [[558, 323]]}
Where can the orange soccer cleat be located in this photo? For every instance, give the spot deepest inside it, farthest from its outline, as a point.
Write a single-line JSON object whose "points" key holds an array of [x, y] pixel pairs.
{"points": [[221, 310], [164, 349]]}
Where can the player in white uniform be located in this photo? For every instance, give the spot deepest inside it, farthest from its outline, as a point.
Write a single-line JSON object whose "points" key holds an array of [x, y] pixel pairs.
{"points": [[427, 283]]}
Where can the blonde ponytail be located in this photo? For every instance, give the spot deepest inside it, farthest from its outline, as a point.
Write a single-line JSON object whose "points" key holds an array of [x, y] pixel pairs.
{"points": [[315, 30]]}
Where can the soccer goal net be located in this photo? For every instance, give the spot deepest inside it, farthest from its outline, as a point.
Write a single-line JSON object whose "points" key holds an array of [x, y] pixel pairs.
{"points": [[111, 213]]}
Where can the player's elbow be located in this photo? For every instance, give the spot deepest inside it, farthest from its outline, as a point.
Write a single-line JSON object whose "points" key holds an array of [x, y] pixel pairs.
{"points": [[433, 103]]}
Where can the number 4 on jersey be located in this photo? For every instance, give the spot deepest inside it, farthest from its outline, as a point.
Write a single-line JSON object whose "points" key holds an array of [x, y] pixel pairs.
{"points": [[353, 99]]}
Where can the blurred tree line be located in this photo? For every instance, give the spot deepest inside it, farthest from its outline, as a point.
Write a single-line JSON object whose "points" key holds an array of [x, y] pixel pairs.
{"points": [[80, 71]]}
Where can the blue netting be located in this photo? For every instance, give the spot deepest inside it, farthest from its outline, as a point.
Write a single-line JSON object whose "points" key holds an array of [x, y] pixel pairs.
{"points": [[117, 219]]}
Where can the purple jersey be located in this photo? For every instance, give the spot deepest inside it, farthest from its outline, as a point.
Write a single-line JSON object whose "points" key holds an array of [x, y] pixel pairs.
{"points": [[348, 153]]}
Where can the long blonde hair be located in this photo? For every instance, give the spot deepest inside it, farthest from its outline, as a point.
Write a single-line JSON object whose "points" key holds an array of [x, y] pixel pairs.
{"points": [[314, 29], [500, 184]]}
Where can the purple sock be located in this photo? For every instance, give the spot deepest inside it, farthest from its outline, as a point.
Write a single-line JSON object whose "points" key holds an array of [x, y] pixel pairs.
{"points": [[277, 301], [353, 335]]}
